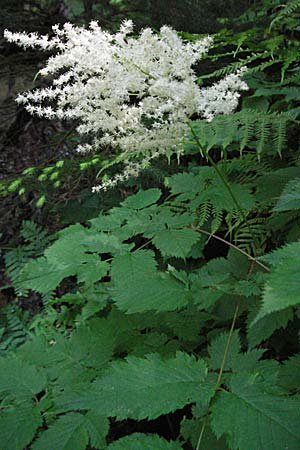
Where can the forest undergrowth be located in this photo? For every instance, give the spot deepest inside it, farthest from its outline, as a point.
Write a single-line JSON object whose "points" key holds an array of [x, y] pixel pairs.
{"points": [[163, 312]]}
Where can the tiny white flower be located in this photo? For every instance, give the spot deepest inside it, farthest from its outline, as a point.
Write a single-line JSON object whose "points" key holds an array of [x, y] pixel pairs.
{"points": [[133, 94]]}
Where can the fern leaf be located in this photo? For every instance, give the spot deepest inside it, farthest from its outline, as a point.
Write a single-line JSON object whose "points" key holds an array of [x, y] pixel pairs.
{"points": [[204, 213], [18, 425], [143, 441], [139, 287], [252, 419], [144, 388], [279, 133], [264, 133], [12, 321], [217, 216]]}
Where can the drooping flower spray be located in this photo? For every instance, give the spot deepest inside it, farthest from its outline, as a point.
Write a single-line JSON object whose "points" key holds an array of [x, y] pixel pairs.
{"points": [[135, 94]]}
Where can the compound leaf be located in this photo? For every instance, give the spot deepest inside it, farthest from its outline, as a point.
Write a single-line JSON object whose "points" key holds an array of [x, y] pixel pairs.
{"points": [[176, 243], [252, 419], [144, 388], [139, 287], [18, 425]]}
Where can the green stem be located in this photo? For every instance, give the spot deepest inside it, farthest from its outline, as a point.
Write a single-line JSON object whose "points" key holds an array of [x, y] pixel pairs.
{"points": [[251, 258], [226, 184], [222, 366], [228, 187]]}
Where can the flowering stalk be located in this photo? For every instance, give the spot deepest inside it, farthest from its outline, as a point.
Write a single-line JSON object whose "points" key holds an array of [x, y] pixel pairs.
{"points": [[135, 95]]}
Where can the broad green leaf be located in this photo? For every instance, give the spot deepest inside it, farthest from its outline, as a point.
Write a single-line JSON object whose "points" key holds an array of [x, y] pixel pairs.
{"points": [[176, 243], [248, 361], [264, 328], [92, 344], [290, 197], [207, 283], [142, 199], [97, 427], [252, 419], [18, 425], [38, 275], [144, 388], [66, 433], [20, 378], [139, 287], [282, 288], [206, 187], [140, 441], [289, 374], [288, 251], [75, 252], [218, 347]]}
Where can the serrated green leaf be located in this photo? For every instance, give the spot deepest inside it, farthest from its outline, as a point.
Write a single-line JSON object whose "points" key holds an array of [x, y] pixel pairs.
{"points": [[289, 374], [18, 425], [142, 199], [217, 350], [248, 361], [288, 251], [252, 419], [66, 433], [265, 327], [91, 344], [74, 253], [207, 283], [176, 243], [290, 197], [282, 288], [97, 427], [139, 441], [139, 287], [144, 388], [20, 378]]}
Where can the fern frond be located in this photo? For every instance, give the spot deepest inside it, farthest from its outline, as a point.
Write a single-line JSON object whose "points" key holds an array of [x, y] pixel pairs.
{"points": [[285, 11], [36, 240], [243, 238], [13, 324], [204, 213], [247, 131], [279, 127], [263, 133], [245, 128], [217, 217]]}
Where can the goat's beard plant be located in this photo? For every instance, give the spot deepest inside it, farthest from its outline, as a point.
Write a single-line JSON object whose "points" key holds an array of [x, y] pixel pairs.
{"points": [[135, 94]]}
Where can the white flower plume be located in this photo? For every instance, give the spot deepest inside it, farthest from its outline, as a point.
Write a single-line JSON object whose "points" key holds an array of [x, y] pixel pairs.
{"points": [[134, 94]]}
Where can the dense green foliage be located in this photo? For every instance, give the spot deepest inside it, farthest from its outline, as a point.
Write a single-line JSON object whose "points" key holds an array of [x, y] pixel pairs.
{"points": [[180, 300]]}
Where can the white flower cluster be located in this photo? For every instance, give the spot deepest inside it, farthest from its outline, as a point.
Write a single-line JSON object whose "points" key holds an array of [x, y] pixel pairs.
{"points": [[134, 94]]}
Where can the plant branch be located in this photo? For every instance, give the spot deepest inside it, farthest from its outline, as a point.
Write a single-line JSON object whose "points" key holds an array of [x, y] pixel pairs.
{"points": [[225, 182], [251, 258]]}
